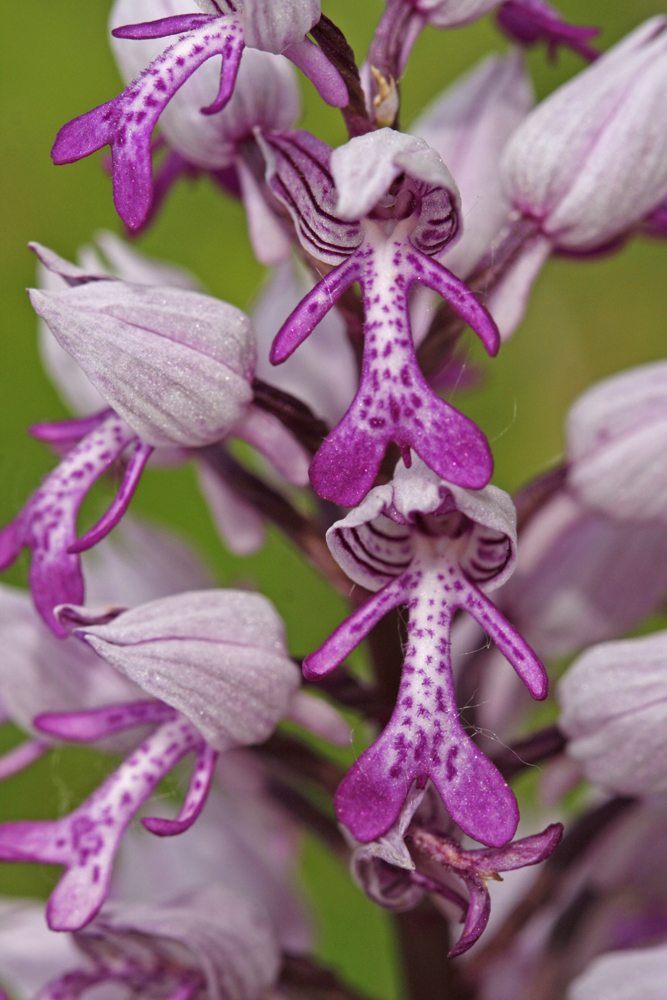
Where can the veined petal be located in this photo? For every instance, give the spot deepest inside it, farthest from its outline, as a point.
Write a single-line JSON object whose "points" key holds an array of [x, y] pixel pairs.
{"points": [[371, 548], [299, 175]]}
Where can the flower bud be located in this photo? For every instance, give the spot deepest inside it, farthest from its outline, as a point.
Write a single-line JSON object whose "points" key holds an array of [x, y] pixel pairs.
{"points": [[176, 365], [589, 161], [614, 710], [617, 433], [217, 656]]}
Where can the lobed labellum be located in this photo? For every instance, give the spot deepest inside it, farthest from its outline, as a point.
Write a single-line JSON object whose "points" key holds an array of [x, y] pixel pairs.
{"points": [[86, 840], [47, 522], [393, 401], [424, 737]]}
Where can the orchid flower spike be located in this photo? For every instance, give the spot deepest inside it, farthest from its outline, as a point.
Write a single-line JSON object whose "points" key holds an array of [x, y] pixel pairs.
{"points": [[176, 367], [218, 663], [412, 859], [435, 547], [211, 943], [265, 94], [379, 209], [204, 30]]}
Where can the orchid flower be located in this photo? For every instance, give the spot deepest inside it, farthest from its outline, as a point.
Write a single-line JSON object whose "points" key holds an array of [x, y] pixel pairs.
{"points": [[175, 366], [210, 29], [411, 859], [265, 95], [379, 209], [218, 664], [435, 547]]}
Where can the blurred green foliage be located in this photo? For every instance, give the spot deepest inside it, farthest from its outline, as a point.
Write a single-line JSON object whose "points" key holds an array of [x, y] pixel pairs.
{"points": [[586, 320]]}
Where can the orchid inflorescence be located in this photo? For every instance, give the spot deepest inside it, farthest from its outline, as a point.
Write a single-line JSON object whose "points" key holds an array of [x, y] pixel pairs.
{"points": [[337, 386]]}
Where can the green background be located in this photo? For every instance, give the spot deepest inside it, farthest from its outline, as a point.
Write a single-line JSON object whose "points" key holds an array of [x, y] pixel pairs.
{"points": [[585, 320]]}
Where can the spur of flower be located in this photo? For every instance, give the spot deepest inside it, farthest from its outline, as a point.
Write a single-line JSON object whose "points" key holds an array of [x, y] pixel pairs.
{"points": [[428, 544], [378, 210]]}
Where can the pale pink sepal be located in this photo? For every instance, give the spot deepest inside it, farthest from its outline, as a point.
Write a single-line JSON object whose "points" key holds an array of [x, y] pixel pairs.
{"points": [[508, 300], [176, 364], [366, 166], [217, 656], [270, 242], [616, 443], [614, 711], [269, 436]]}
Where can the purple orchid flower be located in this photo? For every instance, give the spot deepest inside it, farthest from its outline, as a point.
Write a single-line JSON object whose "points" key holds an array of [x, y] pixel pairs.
{"points": [[414, 858], [218, 662], [176, 367], [265, 95], [379, 209], [429, 544], [126, 122], [210, 943]]}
